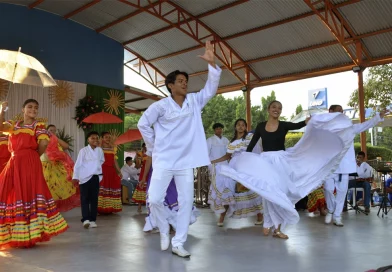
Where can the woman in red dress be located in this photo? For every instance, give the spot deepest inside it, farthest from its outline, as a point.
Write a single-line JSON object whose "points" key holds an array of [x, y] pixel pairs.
{"points": [[139, 195], [109, 198], [5, 154], [58, 170], [28, 213]]}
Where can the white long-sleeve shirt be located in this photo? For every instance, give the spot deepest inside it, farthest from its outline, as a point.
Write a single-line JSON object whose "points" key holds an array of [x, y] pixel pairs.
{"points": [[364, 170], [217, 147], [348, 164], [129, 172], [88, 163], [177, 140]]}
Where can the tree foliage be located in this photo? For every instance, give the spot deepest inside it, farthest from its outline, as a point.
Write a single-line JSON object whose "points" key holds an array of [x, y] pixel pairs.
{"points": [[298, 110], [227, 111], [377, 88]]}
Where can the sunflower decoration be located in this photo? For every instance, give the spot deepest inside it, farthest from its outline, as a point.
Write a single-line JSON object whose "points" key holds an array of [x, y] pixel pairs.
{"points": [[4, 87], [19, 117], [114, 103], [61, 95], [114, 133]]}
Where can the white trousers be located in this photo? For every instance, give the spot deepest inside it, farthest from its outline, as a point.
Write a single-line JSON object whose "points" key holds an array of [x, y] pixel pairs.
{"points": [[160, 181], [335, 204]]}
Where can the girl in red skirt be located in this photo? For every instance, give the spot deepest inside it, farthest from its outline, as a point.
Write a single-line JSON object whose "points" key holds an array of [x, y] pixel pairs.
{"points": [[109, 199], [139, 195], [28, 213]]}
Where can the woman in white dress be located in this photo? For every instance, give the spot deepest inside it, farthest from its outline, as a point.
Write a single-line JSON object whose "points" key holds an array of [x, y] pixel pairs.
{"points": [[282, 178], [226, 196]]}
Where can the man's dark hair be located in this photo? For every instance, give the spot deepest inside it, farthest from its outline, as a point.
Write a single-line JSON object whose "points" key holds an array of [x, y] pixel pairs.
{"points": [[143, 145], [92, 133], [361, 153], [218, 125], [333, 107], [171, 78], [48, 127], [127, 159]]}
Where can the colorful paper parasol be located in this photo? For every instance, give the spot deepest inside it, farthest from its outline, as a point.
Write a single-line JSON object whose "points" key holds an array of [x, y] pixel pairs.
{"points": [[102, 118], [129, 136]]}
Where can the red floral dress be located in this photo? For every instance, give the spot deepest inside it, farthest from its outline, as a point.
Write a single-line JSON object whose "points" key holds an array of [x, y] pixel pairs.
{"points": [[109, 198], [28, 213]]}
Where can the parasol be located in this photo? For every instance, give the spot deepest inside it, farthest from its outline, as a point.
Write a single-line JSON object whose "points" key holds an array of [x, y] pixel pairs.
{"points": [[129, 136], [102, 118], [17, 67]]}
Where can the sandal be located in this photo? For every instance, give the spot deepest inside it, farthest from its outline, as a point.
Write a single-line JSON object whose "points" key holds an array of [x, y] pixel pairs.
{"points": [[280, 235], [266, 231]]}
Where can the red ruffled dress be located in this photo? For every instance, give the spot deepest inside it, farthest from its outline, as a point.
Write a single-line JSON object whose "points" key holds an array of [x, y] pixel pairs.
{"points": [[28, 213], [109, 198], [5, 154], [58, 169]]}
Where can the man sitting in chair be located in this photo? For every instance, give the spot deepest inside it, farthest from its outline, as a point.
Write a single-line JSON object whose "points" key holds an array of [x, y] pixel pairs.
{"points": [[365, 177]]}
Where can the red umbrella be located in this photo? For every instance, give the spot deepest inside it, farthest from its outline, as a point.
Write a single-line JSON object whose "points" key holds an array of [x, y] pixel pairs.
{"points": [[129, 136], [102, 118]]}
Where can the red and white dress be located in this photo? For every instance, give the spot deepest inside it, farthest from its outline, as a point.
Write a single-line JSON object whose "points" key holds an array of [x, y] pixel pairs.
{"points": [[28, 213], [109, 198]]}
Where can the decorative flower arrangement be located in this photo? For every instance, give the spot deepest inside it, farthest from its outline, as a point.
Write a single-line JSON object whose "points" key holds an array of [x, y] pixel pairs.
{"points": [[86, 107]]}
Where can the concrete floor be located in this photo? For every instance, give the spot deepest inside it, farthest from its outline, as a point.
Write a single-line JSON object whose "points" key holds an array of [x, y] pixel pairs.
{"points": [[119, 244]]}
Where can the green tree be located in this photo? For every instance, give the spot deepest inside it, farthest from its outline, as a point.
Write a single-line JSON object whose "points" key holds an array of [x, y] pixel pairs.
{"points": [[130, 122], [298, 110], [377, 88]]}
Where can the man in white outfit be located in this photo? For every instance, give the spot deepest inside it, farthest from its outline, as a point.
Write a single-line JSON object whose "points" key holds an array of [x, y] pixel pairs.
{"points": [[217, 144], [347, 166], [177, 145]]}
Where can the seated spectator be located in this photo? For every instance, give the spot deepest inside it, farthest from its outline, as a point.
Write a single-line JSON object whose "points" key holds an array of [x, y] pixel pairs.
{"points": [[365, 177], [130, 176]]}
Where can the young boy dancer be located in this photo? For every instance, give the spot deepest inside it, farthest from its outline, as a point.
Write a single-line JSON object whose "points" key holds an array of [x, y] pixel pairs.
{"points": [[177, 145], [88, 173]]}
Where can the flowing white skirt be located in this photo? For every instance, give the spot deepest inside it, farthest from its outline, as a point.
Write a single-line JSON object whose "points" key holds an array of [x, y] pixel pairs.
{"points": [[282, 178], [223, 194]]}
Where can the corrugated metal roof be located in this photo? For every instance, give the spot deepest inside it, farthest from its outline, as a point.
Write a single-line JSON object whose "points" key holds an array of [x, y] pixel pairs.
{"points": [[201, 6], [306, 61], [368, 15], [380, 45], [188, 62], [253, 14], [163, 43], [133, 27], [285, 27], [301, 33], [62, 7]]}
